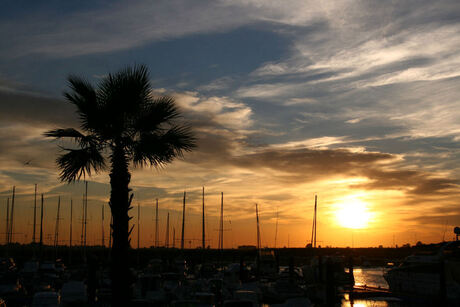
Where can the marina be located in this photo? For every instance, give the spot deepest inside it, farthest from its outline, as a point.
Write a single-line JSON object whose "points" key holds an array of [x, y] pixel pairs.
{"points": [[173, 277]]}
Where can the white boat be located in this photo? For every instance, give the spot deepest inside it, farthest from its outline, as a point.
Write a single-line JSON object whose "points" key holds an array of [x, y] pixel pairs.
{"points": [[421, 276]]}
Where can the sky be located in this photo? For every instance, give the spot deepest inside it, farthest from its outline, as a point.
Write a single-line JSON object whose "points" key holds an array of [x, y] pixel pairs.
{"points": [[356, 102]]}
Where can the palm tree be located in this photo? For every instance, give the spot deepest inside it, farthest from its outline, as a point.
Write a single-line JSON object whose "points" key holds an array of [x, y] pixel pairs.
{"points": [[123, 125]]}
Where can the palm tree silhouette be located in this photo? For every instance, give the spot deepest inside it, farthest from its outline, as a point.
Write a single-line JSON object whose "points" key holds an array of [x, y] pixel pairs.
{"points": [[123, 125]]}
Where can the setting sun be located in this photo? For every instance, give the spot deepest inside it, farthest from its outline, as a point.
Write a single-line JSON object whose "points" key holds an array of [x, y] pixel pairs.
{"points": [[353, 214]]}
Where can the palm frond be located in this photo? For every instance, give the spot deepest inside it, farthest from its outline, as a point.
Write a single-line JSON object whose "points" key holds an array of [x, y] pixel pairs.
{"points": [[155, 113], [159, 149], [80, 162], [77, 136], [121, 113], [124, 94], [64, 133], [84, 97]]}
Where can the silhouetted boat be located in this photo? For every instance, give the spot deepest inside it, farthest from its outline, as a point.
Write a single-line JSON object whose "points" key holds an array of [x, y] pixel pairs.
{"points": [[46, 299], [434, 275], [74, 293]]}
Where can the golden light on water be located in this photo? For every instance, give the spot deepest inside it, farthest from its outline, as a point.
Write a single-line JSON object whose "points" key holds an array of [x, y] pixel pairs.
{"points": [[353, 213]]}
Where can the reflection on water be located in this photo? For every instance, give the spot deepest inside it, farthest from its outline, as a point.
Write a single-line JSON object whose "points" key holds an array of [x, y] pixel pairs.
{"points": [[388, 302], [366, 304], [372, 277]]}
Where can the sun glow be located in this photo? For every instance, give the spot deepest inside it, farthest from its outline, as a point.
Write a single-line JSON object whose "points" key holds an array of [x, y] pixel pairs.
{"points": [[353, 214]]}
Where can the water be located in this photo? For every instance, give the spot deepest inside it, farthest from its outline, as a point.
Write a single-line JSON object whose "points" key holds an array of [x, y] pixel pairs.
{"points": [[372, 277]]}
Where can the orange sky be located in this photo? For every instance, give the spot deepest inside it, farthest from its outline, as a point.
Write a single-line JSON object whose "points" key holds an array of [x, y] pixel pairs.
{"points": [[354, 101], [346, 217]]}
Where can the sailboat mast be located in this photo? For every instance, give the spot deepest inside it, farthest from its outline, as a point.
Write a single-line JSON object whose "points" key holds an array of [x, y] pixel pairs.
{"points": [[174, 238], [70, 231], [71, 219], [56, 229], [35, 214], [183, 224], [313, 230], [316, 216], [258, 227], [82, 221], [221, 233], [203, 239], [110, 231], [138, 224], [167, 232], [12, 216], [86, 211], [276, 227], [102, 227], [41, 222], [156, 225], [7, 230]]}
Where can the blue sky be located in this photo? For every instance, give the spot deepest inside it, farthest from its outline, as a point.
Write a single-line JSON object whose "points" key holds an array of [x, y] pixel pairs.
{"points": [[350, 100]]}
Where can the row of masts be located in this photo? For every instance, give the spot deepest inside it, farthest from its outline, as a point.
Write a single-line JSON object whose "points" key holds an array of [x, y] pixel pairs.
{"points": [[84, 222], [167, 235], [10, 219], [83, 238]]}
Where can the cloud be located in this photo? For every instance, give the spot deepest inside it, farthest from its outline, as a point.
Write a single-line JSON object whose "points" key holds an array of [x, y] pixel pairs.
{"points": [[377, 63], [217, 85], [445, 216], [31, 107], [115, 27], [222, 112], [413, 182], [58, 31], [311, 162], [223, 127], [320, 142]]}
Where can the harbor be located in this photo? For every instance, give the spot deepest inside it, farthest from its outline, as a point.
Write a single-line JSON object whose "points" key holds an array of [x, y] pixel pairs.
{"points": [[167, 273], [195, 277], [230, 153]]}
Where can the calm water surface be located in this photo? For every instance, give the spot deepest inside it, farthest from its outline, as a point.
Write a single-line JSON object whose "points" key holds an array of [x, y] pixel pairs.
{"points": [[372, 277]]}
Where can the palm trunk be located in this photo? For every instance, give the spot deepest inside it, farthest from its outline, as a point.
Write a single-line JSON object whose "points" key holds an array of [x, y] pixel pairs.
{"points": [[119, 204]]}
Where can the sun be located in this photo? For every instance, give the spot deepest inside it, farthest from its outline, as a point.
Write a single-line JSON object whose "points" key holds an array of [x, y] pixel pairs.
{"points": [[353, 214]]}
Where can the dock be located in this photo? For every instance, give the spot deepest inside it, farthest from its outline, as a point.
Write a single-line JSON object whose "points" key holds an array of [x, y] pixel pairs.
{"points": [[364, 292]]}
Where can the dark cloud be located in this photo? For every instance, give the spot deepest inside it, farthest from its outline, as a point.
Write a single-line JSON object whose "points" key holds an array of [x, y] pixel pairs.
{"points": [[28, 177], [413, 182], [312, 162], [304, 165], [35, 109], [21, 146], [439, 220]]}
